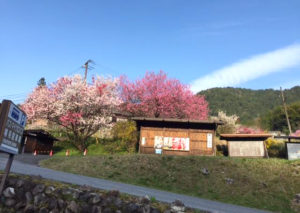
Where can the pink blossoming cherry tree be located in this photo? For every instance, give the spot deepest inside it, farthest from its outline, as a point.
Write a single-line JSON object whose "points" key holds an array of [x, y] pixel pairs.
{"points": [[157, 96], [81, 108]]}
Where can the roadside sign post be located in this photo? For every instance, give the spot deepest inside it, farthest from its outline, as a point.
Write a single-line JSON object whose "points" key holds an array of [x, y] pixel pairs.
{"points": [[6, 172], [12, 124]]}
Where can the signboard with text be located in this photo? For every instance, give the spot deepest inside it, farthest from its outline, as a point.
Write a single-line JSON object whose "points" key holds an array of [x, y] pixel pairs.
{"points": [[172, 143], [12, 123]]}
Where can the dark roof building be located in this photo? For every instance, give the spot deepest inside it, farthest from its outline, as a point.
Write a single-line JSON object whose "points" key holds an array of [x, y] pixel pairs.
{"points": [[176, 136], [38, 140]]}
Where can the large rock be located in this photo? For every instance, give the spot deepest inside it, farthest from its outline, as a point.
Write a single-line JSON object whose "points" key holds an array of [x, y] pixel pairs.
{"points": [[74, 193], [9, 192], [96, 209], [52, 203], [73, 207], [20, 183], [146, 209], [61, 203], [177, 206], [95, 199], [154, 210], [132, 207], [145, 199], [67, 191], [204, 171], [28, 197], [49, 190], [85, 196], [39, 199], [86, 208], [107, 210], [43, 210], [38, 189], [118, 203], [9, 202], [29, 209], [20, 205], [20, 193]]}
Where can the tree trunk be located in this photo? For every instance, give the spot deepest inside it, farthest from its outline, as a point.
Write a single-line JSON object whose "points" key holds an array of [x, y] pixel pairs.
{"points": [[78, 142]]}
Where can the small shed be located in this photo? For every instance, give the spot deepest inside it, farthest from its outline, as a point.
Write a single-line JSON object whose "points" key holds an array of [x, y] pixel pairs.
{"points": [[246, 145], [292, 146], [37, 140], [176, 136]]}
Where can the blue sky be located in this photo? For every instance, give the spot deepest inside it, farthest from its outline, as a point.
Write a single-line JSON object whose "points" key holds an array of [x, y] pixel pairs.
{"points": [[197, 42]]}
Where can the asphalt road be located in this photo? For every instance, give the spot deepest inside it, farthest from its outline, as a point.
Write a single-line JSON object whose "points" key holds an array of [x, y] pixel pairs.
{"points": [[193, 202], [27, 158]]}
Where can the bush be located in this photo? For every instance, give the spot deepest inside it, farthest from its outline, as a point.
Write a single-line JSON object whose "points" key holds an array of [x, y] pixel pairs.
{"points": [[275, 148], [125, 136], [221, 147], [270, 142]]}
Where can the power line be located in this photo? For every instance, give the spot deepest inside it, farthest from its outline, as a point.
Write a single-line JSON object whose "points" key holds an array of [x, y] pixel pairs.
{"points": [[106, 67], [72, 72]]}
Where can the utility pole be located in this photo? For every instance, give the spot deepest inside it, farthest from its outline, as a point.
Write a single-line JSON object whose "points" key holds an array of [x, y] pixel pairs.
{"points": [[285, 110], [86, 66]]}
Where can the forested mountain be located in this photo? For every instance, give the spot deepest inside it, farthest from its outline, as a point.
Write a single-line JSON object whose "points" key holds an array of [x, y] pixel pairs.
{"points": [[246, 103]]}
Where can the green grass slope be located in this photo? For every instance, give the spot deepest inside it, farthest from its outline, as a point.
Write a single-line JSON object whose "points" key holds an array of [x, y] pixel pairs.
{"points": [[260, 183]]}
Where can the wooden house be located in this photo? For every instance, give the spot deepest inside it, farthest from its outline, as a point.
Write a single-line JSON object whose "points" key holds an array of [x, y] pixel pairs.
{"points": [[176, 136], [37, 140]]}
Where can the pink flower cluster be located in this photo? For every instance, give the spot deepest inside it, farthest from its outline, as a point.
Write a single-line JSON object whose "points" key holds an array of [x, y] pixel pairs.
{"points": [[296, 133], [248, 130], [157, 96], [70, 118], [75, 104]]}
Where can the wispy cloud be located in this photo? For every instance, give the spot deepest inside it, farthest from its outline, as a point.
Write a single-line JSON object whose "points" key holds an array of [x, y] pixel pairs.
{"points": [[250, 68]]}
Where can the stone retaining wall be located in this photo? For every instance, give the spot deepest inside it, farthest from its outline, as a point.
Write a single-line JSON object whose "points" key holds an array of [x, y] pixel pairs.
{"points": [[34, 194]]}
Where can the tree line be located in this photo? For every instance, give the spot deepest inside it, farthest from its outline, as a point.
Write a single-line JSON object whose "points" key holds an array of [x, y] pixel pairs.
{"points": [[249, 105]]}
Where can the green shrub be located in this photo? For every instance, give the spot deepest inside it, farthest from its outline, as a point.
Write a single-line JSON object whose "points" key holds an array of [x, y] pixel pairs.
{"points": [[270, 142], [222, 150], [125, 136], [275, 148]]}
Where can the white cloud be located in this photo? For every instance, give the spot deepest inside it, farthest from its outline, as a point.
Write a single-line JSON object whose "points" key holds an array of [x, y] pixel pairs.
{"points": [[250, 68]]}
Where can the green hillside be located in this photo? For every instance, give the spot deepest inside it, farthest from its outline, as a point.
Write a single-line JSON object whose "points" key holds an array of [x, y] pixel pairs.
{"points": [[246, 103]]}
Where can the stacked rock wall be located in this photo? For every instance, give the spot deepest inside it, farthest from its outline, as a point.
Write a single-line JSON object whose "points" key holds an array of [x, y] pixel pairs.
{"points": [[27, 194]]}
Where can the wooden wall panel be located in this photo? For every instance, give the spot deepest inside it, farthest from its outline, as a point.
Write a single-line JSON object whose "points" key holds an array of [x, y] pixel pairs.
{"points": [[198, 140], [246, 149], [171, 152]]}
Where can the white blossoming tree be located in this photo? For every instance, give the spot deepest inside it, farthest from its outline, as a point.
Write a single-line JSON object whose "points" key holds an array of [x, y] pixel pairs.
{"points": [[81, 108]]}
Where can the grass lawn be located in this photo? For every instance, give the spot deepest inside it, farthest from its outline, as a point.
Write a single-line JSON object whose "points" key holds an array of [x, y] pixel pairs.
{"points": [[260, 183]]}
